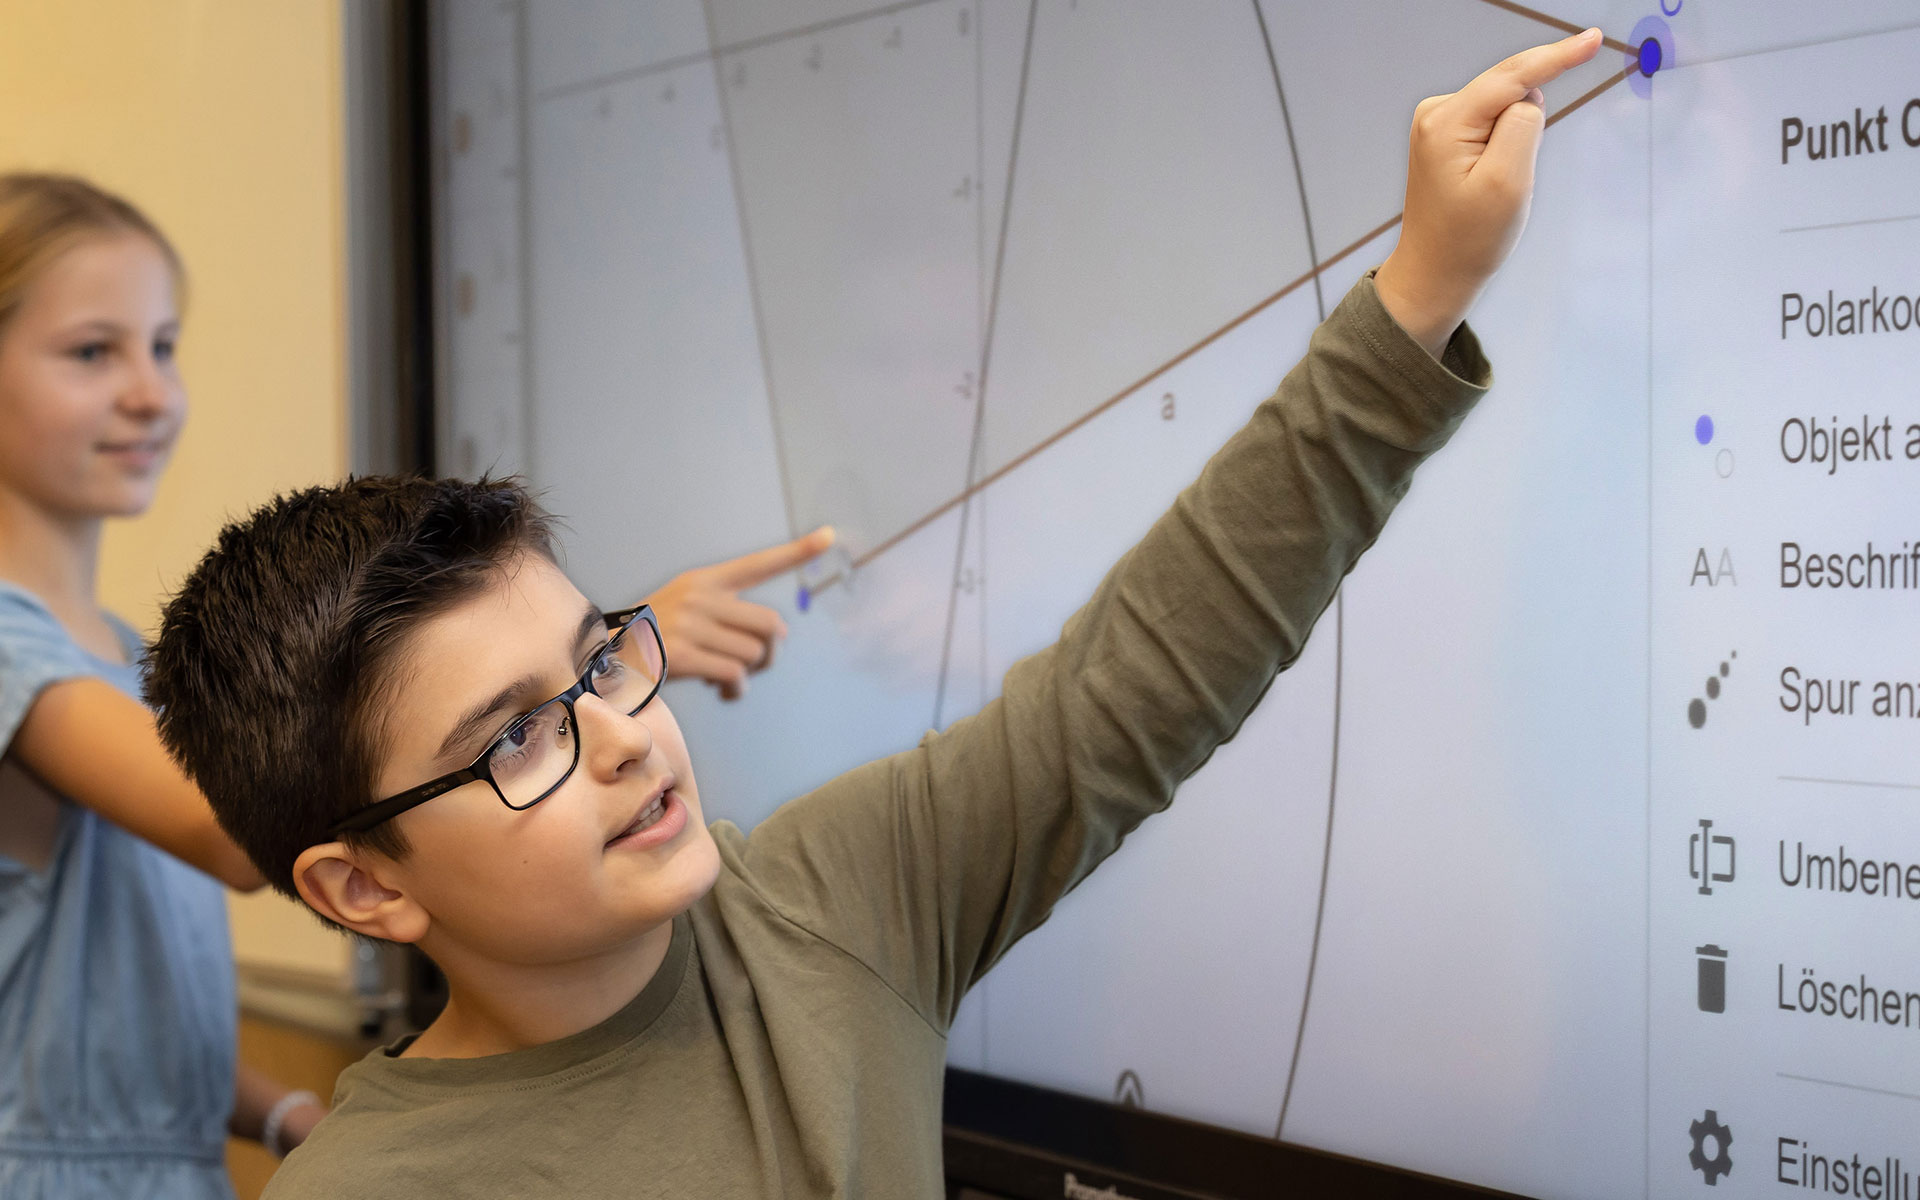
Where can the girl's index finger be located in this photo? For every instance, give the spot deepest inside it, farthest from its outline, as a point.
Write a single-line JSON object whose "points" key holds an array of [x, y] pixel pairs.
{"points": [[762, 565]]}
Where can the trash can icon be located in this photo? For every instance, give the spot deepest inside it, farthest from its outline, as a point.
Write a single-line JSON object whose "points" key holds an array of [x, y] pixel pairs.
{"points": [[1713, 978]]}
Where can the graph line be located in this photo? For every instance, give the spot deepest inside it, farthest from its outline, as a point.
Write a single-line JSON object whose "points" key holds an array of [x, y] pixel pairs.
{"points": [[523, 233], [753, 277], [1293, 153], [1130, 389], [989, 480], [986, 359], [1646, 977], [718, 52], [629, 74], [1587, 97], [1339, 606], [1534, 14]]}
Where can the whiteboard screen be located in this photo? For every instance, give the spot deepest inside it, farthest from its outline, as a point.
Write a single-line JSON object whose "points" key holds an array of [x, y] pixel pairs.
{"points": [[1576, 856]]}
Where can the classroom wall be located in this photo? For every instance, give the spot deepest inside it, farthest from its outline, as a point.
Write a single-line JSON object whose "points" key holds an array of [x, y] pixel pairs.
{"points": [[223, 120]]}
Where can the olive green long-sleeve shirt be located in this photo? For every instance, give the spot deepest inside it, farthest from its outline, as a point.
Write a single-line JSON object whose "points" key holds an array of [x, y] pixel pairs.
{"points": [[794, 1040]]}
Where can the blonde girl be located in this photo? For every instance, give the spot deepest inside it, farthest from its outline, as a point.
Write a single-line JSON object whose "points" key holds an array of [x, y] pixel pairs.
{"points": [[117, 1014]]}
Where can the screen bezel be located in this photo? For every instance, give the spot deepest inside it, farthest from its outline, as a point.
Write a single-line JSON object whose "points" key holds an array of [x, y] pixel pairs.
{"points": [[1011, 1140]]}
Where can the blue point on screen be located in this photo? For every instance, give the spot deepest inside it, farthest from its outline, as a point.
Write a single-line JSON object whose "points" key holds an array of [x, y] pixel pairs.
{"points": [[1703, 430], [804, 599], [1653, 42], [1649, 56]]}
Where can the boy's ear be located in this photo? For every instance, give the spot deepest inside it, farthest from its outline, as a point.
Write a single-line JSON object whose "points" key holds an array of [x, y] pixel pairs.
{"points": [[348, 888]]}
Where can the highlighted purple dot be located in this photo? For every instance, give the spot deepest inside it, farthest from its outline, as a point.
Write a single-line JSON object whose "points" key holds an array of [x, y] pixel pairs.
{"points": [[1703, 430], [1652, 43], [804, 599]]}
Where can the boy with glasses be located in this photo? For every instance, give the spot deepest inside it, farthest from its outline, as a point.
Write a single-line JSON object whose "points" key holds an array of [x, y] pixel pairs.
{"points": [[408, 716]]}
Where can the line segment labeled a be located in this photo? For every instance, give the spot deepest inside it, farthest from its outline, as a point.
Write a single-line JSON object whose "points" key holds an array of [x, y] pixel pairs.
{"points": [[1130, 389]]}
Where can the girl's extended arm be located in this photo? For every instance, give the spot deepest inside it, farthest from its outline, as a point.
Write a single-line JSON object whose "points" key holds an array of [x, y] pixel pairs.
{"points": [[97, 746]]}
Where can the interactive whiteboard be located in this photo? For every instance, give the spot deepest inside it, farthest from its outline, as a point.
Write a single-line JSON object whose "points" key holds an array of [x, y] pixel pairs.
{"points": [[1578, 856]]}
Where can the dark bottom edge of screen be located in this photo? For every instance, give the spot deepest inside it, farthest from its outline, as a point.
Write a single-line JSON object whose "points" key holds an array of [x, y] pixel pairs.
{"points": [[1014, 1141]]}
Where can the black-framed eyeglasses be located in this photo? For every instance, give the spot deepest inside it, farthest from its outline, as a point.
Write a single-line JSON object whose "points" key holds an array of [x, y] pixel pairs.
{"points": [[538, 752]]}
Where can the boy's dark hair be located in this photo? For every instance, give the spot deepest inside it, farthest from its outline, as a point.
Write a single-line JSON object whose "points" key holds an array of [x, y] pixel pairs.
{"points": [[273, 655]]}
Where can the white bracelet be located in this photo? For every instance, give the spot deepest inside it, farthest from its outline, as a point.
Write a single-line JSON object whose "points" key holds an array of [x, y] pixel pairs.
{"points": [[277, 1115]]}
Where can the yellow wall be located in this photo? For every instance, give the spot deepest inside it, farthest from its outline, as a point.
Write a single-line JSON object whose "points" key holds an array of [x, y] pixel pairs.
{"points": [[223, 120]]}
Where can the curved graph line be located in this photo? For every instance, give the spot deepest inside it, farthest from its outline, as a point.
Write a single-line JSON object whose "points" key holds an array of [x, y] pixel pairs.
{"points": [[1339, 606]]}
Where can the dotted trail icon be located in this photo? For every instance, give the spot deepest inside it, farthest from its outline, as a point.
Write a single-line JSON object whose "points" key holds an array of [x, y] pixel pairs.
{"points": [[1697, 708]]}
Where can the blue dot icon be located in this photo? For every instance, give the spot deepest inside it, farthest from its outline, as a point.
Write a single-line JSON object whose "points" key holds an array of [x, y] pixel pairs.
{"points": [[1703, 430], [1649, 56], [804, 599], [1651, 50]]}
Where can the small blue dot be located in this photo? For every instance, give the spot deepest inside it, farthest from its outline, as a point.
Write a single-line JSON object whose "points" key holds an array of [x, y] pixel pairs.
{"points": [[1651, 49], [1703, 430], [805, 599]]}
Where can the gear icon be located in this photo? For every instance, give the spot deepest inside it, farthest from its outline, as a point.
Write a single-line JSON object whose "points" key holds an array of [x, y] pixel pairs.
{"points": [[1721, 1163]]}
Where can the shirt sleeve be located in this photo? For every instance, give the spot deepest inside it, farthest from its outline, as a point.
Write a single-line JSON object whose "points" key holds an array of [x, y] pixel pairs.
{"points": [[927, 866], [35, 652]]}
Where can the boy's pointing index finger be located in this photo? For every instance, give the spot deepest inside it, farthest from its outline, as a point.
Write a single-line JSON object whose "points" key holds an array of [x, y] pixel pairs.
{"points": [[1509, 81]]}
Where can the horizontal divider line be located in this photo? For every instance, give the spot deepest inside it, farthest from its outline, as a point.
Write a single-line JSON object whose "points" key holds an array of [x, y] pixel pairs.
{"points": [[1872, 783], [1852, 1087], [1851, 224]]}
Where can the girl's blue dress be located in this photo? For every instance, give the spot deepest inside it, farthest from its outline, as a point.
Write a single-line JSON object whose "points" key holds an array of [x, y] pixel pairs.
{"points": [[117, 1008]]}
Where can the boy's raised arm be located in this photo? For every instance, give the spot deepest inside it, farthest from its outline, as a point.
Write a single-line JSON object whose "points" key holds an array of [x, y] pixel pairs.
{"points": [[927, 866]]}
